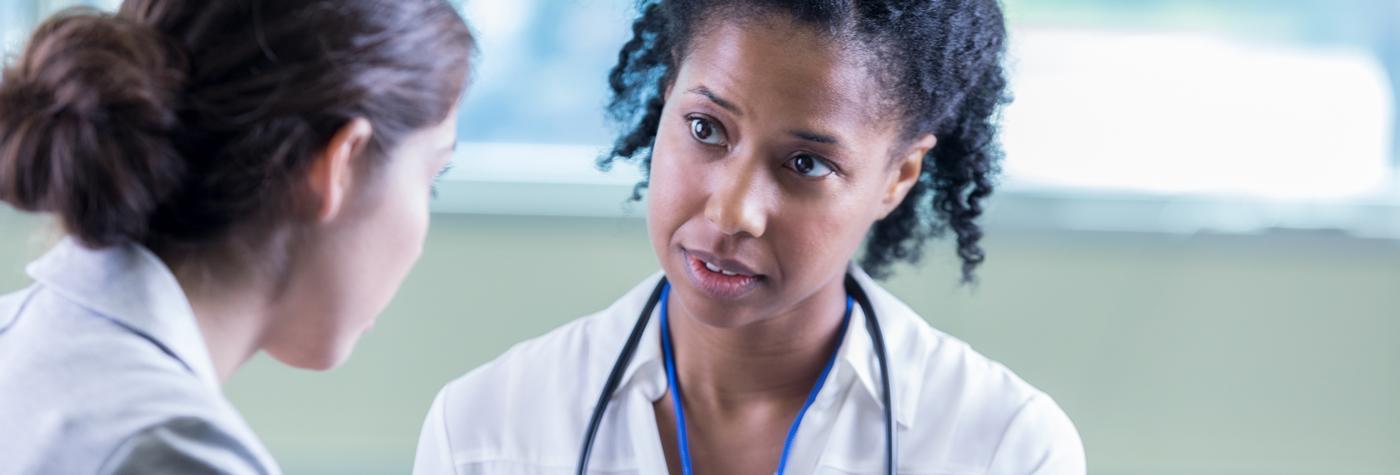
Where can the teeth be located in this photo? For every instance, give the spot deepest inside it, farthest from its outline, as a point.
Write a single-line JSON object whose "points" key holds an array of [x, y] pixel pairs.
{"points": [[715, 268]]}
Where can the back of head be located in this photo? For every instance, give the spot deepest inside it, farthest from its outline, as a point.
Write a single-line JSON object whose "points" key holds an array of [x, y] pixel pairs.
{"points": [[173, 122], [86, 120]]}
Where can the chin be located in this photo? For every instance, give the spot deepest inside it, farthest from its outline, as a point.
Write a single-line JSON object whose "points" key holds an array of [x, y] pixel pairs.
{"points": [[717, 313], [315, 359]]}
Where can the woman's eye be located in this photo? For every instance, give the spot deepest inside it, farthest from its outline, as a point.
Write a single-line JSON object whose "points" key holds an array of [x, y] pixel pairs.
{"points": [[707, 132], [809, 166]]}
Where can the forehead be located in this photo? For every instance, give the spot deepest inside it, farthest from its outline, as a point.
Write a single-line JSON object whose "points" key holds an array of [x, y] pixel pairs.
{"points": [[777, 68]]}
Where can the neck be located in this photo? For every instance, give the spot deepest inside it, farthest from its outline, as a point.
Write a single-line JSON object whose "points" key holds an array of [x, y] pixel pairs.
{"points": [[773, 359], [232, 315]]}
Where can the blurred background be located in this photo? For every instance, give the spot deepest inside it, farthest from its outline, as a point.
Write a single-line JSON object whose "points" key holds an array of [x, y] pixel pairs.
{"points": [[1195, 248]]}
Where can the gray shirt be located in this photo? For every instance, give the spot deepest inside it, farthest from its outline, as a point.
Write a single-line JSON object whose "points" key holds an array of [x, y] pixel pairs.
{"points": [[103, 370]]}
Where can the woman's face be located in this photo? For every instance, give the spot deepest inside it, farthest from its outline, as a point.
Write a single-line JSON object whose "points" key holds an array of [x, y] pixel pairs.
{"points": [[350, 267], [772, 160]]}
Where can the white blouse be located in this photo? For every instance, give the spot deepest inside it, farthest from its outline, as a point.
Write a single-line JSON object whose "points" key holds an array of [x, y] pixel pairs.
{"points": [[103, 371], [957, 411]]}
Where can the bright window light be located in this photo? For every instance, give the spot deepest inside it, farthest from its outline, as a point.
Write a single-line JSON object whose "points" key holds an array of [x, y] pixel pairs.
{"points": [[1192, 113]]}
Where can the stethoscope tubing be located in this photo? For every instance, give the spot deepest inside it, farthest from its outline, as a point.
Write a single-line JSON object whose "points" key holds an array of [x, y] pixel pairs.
{"points": [[624, 358]]}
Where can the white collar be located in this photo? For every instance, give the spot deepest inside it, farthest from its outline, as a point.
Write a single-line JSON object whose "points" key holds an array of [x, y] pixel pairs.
{"points": [[907, 354], [901, 327], [646, 371], [132, 287]]}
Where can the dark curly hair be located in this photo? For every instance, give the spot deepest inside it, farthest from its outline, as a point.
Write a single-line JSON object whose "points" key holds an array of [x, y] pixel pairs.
{"points": [[940, 62]]}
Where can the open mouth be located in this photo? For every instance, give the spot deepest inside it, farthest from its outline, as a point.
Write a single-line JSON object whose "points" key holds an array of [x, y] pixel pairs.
{"points": [[721, 280], [714, 268]]}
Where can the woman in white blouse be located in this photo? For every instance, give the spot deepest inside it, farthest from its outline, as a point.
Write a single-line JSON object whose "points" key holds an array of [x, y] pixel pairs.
{"points": [[232, 177], [780, 137]]}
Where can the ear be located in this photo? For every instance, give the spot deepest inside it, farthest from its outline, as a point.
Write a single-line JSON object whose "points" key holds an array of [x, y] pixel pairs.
{"points": [[332, 174], [906, 173]]}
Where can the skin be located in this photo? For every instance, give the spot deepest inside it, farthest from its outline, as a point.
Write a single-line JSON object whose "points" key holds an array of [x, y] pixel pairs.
{"points": [[753, 106], [350, 254]]}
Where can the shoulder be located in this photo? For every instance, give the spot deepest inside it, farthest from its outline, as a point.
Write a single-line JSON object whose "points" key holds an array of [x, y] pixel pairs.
{"points": [[63, 352], [12, 304], [186, 444], [1040, 439], [577, 355], [529, 376], [85, 387], [972, 410], [538, 394], [988, 418]]}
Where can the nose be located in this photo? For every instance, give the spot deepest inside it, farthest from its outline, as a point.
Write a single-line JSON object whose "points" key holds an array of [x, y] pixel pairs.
{"points": [[737, 205]]}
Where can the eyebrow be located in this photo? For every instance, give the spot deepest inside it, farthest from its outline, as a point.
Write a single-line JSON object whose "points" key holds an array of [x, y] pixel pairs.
{"points": [[806, 135], [719, 101], [815, 137]]}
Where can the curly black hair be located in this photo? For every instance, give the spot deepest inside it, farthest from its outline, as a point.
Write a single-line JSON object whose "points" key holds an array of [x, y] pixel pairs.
{"points": [[940, 62]]}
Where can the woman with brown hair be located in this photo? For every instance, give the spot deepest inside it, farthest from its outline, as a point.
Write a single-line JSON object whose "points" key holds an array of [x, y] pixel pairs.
{"points": [[232, 177]]}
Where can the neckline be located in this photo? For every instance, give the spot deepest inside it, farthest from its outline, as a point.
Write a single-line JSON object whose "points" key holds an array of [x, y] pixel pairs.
{"points": [[674, 388]]}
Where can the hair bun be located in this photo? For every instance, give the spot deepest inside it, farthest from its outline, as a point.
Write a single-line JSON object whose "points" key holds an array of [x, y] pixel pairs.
{"points": [[87, 116]]}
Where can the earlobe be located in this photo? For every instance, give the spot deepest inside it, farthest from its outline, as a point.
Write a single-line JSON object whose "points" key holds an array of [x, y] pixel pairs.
{"points": [[909, 167], [332, 174]]}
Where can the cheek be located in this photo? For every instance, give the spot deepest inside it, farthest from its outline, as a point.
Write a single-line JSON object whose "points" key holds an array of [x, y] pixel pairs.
{"points": [[814, 238], [807, 241], [405, 226], [393, 238], [352, 273], [671, 191]]}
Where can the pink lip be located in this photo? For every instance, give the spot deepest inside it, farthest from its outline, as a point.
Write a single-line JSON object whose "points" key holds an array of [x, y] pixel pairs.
{"points": [[731, 265], [715, 284]]}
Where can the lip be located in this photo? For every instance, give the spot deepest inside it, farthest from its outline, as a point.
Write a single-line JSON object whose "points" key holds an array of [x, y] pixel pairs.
{"points": [[730, 265], [718, 285]]}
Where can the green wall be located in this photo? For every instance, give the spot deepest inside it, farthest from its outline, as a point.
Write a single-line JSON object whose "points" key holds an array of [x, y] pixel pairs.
{"points": [[1216, 354]]}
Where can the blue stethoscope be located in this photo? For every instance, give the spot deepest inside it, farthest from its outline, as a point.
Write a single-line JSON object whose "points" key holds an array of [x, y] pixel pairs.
{"points": [[855, 295]]}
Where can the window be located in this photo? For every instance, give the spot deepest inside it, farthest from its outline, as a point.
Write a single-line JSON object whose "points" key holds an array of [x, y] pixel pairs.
{"points": [[1150, 115], [17, 17], [1278, 101], [1155, 115]]}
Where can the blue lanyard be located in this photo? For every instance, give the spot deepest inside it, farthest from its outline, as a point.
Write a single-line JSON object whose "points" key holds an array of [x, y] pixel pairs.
{"points": [[675, 387]]}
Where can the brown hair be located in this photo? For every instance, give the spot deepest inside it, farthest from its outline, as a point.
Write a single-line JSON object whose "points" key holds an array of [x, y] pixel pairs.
{"points": [[173, 121]]}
